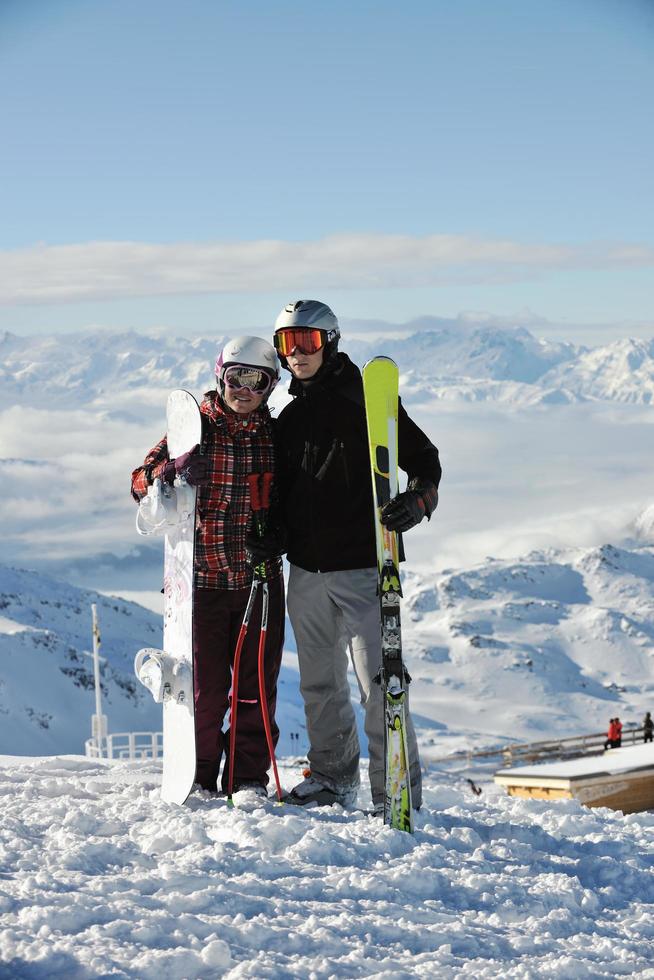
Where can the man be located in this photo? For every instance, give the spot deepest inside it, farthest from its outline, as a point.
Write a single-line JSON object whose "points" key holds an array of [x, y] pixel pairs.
{"points": [[327, 503], [237, 441]]}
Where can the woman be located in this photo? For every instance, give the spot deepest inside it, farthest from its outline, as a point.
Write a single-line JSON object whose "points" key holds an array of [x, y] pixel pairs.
{"points": [[237, 441]]}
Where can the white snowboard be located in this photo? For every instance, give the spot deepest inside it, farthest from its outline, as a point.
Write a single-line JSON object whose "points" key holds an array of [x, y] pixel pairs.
{"points": [[168, 673]]}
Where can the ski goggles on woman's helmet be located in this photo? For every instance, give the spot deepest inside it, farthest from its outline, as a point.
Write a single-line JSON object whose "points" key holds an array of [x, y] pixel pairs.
{"points": [[256, 380], [306, 340]]}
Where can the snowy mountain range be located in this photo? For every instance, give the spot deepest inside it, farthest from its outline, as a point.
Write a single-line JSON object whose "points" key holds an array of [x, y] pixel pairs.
{"points": [[552, 644], [464, 361], [552, 635], [549, 645]]}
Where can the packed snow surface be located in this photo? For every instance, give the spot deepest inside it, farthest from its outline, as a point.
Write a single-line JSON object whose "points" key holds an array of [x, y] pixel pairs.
{"points": [[99, 878]]}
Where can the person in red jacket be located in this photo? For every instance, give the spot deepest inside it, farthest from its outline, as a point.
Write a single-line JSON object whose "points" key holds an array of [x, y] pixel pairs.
{"points": [[614, 734], [237, 440]]}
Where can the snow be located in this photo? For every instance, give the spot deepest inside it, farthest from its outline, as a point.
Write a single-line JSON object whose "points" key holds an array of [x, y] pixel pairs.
{"points": [[545, 646], [150, 600], [92, 368], [548, 645], [100, 878], [547, 455], [46, 675], [530, 455], [621, 371], [10, 627], [46, 681]]}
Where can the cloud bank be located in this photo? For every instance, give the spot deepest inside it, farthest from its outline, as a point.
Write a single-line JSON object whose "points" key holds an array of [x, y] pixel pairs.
{"points": [[103, 270]]}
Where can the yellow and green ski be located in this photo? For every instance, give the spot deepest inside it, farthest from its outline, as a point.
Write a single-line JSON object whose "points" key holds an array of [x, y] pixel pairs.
{"points": [[380, 389]]}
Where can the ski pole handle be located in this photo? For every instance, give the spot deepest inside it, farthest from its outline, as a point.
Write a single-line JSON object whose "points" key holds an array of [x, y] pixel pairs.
{"points": [[259, 485], [266, 483], [255, 495]]}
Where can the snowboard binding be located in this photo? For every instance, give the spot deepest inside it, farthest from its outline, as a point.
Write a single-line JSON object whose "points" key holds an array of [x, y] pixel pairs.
{"points": [[166, 679], [165, 507]]}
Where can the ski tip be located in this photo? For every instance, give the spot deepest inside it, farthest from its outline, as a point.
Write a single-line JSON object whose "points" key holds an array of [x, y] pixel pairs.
{"points": [[380, 357]]}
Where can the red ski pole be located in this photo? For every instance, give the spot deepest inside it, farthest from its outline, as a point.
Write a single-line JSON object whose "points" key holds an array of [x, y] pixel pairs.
{"points": [[242, 633], [263, 697], [260, 484]]}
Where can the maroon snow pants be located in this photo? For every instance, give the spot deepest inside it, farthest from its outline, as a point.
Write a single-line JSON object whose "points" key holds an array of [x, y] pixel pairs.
{"points": [[217, 618]]}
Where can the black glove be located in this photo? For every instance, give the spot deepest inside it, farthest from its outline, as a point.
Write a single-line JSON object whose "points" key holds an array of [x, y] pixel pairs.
{"points": [[403, 512], [259, 549], [189, 466]]}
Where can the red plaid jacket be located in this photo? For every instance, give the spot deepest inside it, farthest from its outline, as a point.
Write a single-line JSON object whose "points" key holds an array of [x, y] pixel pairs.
{"points": [[234, 447]]}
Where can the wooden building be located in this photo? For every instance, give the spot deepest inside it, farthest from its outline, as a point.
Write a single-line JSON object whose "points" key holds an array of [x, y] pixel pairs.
{"points": [[621, 779]]}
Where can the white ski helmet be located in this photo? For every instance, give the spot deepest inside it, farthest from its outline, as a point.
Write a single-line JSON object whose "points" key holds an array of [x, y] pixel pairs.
{"points": [[315, 315], [249, 351]]}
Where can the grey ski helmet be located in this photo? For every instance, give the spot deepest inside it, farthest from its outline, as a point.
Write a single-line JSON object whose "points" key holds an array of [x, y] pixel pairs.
{"points": [[251, 351], [314, 314]]}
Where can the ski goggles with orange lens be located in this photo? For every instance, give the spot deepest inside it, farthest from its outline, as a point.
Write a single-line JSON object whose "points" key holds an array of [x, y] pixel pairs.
{"points": [[239, 376], [303, 339]]}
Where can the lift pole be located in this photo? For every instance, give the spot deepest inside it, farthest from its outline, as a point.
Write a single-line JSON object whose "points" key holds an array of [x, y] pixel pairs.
{"points": [[98, 720]]}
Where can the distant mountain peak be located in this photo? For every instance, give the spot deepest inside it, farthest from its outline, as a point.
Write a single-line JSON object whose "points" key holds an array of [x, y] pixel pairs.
{"points": [[462, 359]]}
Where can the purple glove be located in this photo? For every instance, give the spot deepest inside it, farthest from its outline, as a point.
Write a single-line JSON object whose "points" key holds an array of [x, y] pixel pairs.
{"points": [[189, 466]]}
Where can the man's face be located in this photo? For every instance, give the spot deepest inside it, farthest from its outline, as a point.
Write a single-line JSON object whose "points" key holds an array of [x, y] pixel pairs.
{"points": [[303, 348], [304, 366]]}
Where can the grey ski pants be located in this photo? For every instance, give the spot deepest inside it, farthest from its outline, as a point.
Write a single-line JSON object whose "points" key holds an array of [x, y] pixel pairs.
{"points": [[331, 612]]}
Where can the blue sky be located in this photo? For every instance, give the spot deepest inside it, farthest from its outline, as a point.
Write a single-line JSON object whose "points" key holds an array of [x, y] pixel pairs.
{"points": [[195, 165]]}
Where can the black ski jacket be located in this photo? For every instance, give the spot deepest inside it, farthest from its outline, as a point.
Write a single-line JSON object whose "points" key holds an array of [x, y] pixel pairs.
{"points": [[324, 470]]}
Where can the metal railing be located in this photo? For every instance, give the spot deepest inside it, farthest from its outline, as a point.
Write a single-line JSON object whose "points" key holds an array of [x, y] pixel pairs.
{"points": [[139, 746], [562, 748]]}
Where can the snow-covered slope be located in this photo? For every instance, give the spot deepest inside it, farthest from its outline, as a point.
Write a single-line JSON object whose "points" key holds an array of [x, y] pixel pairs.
{"points": [[552, 644], [100, 369], [416, 386], [469, 351], [622, 371], [46, 668], [513, 367], [99, 878]]}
